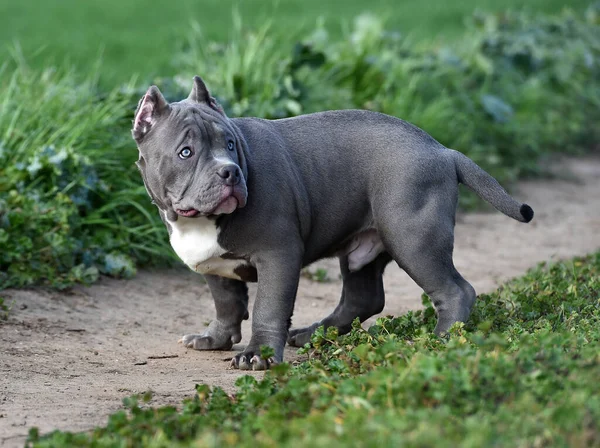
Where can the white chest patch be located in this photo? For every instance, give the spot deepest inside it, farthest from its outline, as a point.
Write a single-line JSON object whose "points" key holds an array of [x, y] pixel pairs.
{"points": [[195, 242]]}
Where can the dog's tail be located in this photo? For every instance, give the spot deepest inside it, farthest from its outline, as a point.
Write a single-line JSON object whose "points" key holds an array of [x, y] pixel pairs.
{"points": [[488, 189]]}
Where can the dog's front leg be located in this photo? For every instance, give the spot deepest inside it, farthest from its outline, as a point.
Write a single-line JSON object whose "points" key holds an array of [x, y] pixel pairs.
{"points": [[231, 303], [278, 276]]}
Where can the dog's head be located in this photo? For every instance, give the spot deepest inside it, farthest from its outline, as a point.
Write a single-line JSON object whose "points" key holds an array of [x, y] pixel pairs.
{"points": [[192, 157]]}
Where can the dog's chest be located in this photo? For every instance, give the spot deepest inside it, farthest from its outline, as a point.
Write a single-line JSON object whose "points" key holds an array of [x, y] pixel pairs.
{"points": [[195, 241]]}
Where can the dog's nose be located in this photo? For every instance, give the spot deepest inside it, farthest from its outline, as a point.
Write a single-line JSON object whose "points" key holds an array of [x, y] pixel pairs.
{"points": [[230, 174]]}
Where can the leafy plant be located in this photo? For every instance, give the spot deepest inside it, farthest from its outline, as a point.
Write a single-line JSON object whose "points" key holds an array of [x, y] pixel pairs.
{"points": [[72, 203], [4, 308], [318, 275], [522, 372]]}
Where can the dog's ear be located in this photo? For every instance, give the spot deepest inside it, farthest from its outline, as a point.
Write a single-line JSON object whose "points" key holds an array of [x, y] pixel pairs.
{"points": [[150, 107], [200, 94]]}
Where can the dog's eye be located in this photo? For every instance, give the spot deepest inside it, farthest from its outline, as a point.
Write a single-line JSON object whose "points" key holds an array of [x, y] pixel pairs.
{"points": [[230, 145], [185, 153]]}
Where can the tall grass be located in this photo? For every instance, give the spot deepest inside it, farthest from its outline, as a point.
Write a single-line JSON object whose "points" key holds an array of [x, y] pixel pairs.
{"points": [[136, 37], [71, 202]]}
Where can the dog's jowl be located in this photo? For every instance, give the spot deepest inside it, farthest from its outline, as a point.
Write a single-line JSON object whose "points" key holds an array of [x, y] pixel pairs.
{"points": [[248, 199]]}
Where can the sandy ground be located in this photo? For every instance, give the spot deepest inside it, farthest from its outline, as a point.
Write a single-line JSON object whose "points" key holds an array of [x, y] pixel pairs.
{"points": [[68, 359]]}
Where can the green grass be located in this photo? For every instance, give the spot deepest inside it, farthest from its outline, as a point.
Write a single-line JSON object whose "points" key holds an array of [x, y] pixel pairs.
{"points": [[522, 372], [71, 205], [4, 308], [138, 37]]}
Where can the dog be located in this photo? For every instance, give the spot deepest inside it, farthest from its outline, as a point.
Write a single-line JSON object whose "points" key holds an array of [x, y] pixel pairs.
{"points": [[255, 200]]}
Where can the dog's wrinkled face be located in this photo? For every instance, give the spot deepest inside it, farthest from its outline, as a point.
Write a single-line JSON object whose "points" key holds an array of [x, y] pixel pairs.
{"points": [[192, 158]]}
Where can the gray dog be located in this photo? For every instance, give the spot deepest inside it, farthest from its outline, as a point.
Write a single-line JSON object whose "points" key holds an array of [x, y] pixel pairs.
{"points": [[249, 200]]}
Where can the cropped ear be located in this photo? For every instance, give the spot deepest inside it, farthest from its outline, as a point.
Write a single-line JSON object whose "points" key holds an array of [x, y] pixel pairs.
{"points": [[150, 108], [201, 95]]}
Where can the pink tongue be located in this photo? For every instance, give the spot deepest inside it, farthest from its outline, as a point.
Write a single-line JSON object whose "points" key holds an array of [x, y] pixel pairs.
{"points": [[188, 213], [226, 207]]}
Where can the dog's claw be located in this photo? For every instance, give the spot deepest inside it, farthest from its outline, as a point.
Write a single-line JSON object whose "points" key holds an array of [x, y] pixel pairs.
{"points": [[258, 363], [244, 364], [205, 342], [252, 362]]}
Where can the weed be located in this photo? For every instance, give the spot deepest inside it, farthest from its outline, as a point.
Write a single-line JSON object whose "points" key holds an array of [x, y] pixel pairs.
{"points": [[319, 275], [5, 308]]}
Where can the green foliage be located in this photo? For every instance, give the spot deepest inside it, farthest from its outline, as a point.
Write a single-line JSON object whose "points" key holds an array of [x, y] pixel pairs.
{"points": [[523, 372], [266, 352], [319, 275], [500, 94], [135, 38], [73, 206], [4, 308]]}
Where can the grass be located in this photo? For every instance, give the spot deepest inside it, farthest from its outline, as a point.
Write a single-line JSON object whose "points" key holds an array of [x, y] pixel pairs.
{"points": [[69, 180], [137, 38], [4, 308], [522, 372]]}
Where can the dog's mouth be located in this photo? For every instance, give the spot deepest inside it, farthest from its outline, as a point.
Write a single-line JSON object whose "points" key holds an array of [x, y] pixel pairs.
{"points": [[231, 199], [226, 207], [190, 213]]}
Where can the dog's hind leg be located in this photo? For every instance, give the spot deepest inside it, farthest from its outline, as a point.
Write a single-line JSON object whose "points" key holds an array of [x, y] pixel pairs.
{"points": [[231, 302], [422, 245], [362, 297]]}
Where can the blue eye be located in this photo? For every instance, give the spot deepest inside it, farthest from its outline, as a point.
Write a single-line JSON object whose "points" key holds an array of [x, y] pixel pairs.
{"points": [[230, 145], [185, 153]]}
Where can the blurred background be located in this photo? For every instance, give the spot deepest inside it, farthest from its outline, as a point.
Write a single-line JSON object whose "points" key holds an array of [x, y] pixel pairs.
{"points": [[507, 82], [136, 37]]}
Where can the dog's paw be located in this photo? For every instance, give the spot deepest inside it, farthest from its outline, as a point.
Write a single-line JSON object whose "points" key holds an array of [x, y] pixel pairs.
{"points": [[298, 337], [248, 360], [205, 342], [216, 337]]}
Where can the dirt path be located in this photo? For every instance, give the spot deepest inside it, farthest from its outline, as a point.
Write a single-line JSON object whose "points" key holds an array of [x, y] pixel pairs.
{"points": [[68, 359]]}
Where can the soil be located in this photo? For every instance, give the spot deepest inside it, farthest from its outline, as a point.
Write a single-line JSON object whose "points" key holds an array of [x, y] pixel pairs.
{"points": [[67, 359]]}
